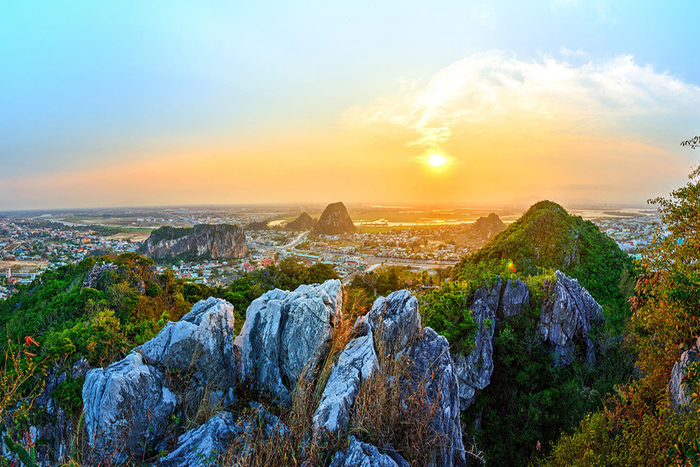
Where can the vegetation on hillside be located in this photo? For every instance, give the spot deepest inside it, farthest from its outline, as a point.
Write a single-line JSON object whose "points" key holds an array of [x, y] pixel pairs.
{"points": [[637, 426]]}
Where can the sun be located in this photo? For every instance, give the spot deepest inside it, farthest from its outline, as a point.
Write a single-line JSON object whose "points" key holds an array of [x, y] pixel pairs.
{"points": [[436, 160]]}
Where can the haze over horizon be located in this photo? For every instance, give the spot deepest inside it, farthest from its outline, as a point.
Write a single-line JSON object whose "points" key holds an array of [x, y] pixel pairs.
{"points": [[190, 103]]}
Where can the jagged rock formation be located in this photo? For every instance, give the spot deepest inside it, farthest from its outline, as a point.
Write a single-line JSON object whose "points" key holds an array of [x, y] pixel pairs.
{"points": [[215, 241], [128, 404], [430, 355], [200, 343], [356, 363], [679, 392], [491, 305], [286, 333], [359, 454], [95, 274], [127, 408], [335, 220], [303, 222], [566, 319], [395, 320], [202, 446]]}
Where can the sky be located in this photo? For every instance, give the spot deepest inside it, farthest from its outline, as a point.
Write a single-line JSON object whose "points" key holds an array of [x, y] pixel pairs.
{"points": [[133, 103]]}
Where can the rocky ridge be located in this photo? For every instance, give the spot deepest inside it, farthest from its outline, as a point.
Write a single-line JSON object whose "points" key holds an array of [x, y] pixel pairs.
{"points": [[215, 241]]}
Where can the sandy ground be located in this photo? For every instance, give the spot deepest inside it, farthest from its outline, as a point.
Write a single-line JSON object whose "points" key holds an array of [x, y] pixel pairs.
{"points": [[133, 236], [23, 266]]}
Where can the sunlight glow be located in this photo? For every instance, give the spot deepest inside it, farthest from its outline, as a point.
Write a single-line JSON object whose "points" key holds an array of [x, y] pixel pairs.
{"points": [[436, 160]]}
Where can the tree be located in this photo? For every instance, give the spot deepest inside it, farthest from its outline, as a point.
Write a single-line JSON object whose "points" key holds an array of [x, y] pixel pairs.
{"points": [[693, 142]]}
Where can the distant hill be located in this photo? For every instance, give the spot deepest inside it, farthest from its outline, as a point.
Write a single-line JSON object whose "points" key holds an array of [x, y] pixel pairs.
{"points": [[335, 220], [474, 236], [547, 237], [303, 222], [200, 241]]}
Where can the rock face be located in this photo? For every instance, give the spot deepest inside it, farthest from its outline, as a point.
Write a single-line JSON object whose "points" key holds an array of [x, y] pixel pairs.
{"points": [[92, 279], [303, 222], [127, 408], [201, 343], [395, 320], [516, 297], [215, 241], [566, 319], [203, 446], [335, 220], [286, 333], [359, 454], [474, 370], [356, 363], [680, 397], [430, 355]]}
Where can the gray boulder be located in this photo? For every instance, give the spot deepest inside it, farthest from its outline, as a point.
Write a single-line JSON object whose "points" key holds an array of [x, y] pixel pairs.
{"points": [[433, 368], [359, 454], [127, 408], [285, 334], [566, 319], [516, 297], [474, 371], [55, 431], [356, 363], [203, 445], [201, 343], [677, 389], [395, 320]]}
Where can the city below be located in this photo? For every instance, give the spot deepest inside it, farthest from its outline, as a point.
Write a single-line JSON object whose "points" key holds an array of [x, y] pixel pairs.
{"points": [[418, 239]]}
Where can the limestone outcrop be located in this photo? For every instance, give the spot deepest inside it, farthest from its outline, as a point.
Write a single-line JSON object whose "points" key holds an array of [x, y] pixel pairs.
{"points": [[356, 363], [203, 240], [566, 319], [286, 334], [359, 454], [395, 320], [433, 368], [677, 389], [127, 408], [201, 343]]}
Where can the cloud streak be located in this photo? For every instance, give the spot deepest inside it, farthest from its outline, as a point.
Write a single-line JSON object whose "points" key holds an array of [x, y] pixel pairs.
{"points": [[495, 88]]}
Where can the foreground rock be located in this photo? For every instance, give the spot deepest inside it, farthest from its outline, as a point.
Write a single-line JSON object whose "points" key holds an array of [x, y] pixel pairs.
{"points": [[201, 344], [677, 389], [566, 319], [395, 321], [286, 334], [359, 454], [356, 363], [222, 437], [214, 241], [127, 408], [432, 367]]}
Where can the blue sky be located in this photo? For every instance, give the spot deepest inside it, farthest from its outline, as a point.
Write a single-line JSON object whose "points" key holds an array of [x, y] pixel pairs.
{"points": [[94, 85]]}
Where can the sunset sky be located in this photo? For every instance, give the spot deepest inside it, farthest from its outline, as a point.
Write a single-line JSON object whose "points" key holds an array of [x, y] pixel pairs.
{"points": [[133, 103]]}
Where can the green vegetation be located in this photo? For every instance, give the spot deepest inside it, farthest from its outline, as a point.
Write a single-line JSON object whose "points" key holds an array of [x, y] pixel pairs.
{"points": [[546, 237], [637, 426], [169, 233]]}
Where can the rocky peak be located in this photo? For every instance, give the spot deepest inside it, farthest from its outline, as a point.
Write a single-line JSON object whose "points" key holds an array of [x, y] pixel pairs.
{"points": [[335, 220], [679, 392], [487, 227]]}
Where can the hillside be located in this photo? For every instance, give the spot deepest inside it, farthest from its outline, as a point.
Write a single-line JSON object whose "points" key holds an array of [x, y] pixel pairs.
{"points": [[546, 237]]}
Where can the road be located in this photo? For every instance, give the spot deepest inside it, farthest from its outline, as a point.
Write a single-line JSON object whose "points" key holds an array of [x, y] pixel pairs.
{"points": [[293, 243], [373, 262]]}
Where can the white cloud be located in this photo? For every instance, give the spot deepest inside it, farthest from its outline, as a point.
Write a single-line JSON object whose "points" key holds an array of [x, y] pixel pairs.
{"points": [[495, 87]]}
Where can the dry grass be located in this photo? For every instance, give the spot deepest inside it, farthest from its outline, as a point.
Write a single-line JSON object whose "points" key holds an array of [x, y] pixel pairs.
{"points": [[393, 409]]}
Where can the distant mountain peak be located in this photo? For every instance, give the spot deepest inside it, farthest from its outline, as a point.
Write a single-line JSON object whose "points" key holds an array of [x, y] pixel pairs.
{"points": [[335, 220]]}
